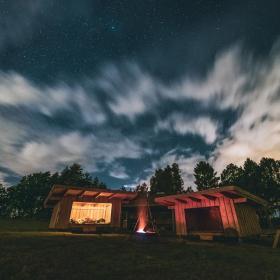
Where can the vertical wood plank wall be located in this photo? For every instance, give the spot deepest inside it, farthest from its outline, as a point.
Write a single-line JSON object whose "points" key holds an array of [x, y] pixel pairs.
{"points": [[55, 215], [180, 218], [64, 213], [228, 214], [116, 213], [248, 220], [241, 217]]}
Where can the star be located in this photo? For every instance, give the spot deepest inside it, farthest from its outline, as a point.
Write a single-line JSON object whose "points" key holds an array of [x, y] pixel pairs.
{"points": [[113, 28]]}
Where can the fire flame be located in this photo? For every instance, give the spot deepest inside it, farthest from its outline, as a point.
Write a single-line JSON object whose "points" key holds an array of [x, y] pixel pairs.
{"points": [[142, 215]]}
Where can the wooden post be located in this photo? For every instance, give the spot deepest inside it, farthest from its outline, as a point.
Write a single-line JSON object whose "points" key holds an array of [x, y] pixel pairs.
{"points": [[180, 217], [55, 216], [276, 239], [116, 213], [228, 214], [65, 211]]}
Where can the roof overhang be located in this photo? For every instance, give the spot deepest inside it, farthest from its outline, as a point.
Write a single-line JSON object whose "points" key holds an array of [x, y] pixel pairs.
{"points": [[57, 192], [233, 192]]}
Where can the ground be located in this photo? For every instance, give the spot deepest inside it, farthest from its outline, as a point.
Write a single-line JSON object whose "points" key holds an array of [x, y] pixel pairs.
{"points": [[29, 251]]}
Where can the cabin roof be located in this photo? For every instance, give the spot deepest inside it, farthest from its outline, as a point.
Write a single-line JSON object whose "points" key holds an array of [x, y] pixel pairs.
{"points": [[57, 192], [232, 192]]}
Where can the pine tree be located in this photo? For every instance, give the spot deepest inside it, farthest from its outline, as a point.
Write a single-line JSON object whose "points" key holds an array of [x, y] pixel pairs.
{"points": [[231, 175], [205, 176], [143, 188], [177, 181], [3, 200], [167, 180]]}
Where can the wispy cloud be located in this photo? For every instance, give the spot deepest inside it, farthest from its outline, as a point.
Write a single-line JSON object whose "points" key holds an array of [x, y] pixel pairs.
{"points": [[132, 91], [54, 152], [183, 125], [237, 81], [256, 133], [18, 91], [118, 171]]}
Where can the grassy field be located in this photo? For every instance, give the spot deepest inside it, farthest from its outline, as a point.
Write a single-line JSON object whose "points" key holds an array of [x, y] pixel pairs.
{"points": [[29, 251]]}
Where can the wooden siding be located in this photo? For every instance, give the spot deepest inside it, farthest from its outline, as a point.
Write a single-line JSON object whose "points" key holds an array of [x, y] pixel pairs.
{"points": [[228, 214], [181, 227], [64, 213], [248, 220], [227, 210], [55, 215], [116, 212]]}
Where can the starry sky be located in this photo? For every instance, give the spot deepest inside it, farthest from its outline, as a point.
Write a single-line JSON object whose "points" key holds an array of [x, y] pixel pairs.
{"points": [[125, 87]]}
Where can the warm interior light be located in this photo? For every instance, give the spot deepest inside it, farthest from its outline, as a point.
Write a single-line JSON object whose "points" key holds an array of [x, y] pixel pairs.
{"points": [[90, 213]]}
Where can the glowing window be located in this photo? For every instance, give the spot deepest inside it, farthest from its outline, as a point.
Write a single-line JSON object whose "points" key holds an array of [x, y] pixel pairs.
{"points": [[90, 213]]}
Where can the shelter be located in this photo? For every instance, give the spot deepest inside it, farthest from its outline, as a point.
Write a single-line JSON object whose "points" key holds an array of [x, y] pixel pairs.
{"points": [[86, 209], [220, 211]]}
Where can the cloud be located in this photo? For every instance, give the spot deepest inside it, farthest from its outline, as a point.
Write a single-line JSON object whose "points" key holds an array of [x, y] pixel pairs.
{"points": [[237, 81], [223, 85], [118, 171], [17, 91], [54, 152], [256, 133], [183, 124], [2, 179], [132, 91]]}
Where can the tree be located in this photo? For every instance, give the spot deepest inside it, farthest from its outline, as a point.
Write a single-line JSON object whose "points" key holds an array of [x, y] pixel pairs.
{"points": [[250, 179], [3, 200], [123, 188], [156, 181], [188, 190], [269, 173], [167, 180], [205, 176], [27, 197], [177, 181], [75, 175], [231, 175], [143, 188]]}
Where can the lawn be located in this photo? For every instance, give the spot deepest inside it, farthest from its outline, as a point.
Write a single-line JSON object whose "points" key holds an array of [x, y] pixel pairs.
{"points": [[29, 251]]}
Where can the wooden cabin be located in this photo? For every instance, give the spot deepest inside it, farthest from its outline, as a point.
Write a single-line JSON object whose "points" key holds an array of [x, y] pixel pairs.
{"points": [[86, 209], [227, 211]]}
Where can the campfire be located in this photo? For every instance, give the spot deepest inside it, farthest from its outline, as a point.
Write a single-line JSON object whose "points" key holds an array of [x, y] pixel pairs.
{"points": [[145, 223]]}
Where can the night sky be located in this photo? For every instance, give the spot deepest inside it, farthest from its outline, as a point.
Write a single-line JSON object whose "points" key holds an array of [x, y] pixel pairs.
{"points": [[124, 87]]}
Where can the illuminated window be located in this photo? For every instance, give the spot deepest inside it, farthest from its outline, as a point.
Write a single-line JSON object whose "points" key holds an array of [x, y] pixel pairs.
{"points": [[91, 213]]}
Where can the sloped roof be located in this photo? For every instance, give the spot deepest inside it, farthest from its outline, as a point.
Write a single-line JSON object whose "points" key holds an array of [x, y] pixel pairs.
{"points": [[57, 192], [228, 191]]}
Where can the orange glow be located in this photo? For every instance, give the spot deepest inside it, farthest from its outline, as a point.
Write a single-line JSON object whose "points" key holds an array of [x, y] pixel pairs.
{"points": [[142, 215], [90, 213]]}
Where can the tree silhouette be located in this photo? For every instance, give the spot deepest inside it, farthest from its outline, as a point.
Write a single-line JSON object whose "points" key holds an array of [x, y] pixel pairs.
{"points": [[167, 180], [231, 175], [205, 176]]}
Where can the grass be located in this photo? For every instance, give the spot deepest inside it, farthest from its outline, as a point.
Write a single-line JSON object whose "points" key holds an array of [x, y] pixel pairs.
{"points": [[29, 251]]}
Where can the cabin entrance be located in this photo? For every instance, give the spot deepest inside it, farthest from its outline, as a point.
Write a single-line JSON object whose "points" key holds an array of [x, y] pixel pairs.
{"points": [[206, 219]]}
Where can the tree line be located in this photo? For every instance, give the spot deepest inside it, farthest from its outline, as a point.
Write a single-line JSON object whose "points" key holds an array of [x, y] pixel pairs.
{"points": [[262, 179], [26, 198]]}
